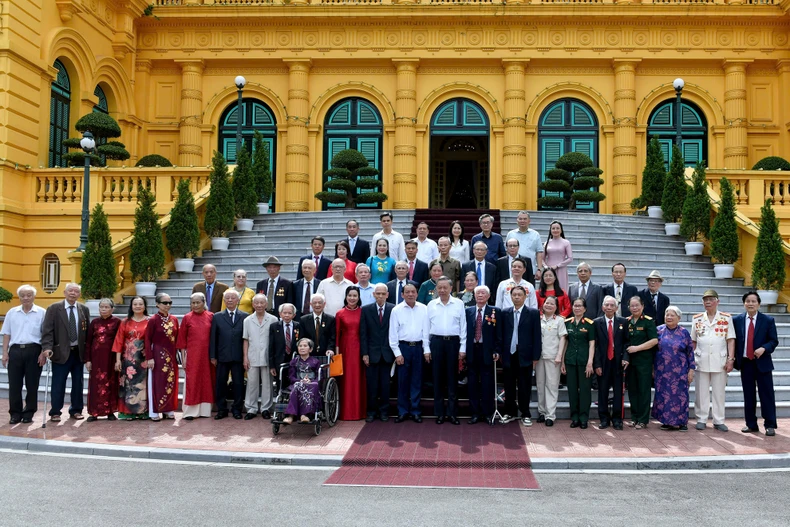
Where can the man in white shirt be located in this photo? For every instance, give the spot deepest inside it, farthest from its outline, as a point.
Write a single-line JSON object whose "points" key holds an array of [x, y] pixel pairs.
{"points": [[408, 338], [22, 354], [366, 289], [257, 329], [529, 242], [334, 287], [394, 238], [447, 322], [427, 250], [517, 269]]}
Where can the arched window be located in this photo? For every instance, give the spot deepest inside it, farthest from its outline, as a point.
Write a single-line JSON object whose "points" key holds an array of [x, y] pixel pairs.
{"points": [[50, 273], [354, 123], [693, 129], [59, 101], [567, 125]]}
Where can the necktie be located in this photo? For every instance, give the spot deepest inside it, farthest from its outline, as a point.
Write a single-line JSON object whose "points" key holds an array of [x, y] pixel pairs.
{"points": [[317, 259], [479, 326], [352, 242], [288, 338], [306, 303], [381, 315], [270, 293], [232, 317], [514, 339], [750, 339], [479, 274], [209, 287], [618, 295], [411, 270], [400, 293], [610, 347], [655, 301], [72, 325], [583, 293], [317, 331]]}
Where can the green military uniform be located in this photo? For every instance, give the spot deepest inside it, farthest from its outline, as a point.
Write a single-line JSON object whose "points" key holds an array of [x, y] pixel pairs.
{"points": [[640, 367], [577, 355]]}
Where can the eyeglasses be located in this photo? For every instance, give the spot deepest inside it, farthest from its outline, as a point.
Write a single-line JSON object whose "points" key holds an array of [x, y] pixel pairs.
{"points": [[167, 303]]}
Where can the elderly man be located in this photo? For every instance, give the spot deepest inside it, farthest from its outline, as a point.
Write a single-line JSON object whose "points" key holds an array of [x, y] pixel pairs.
{"points": [[517, 269], [451, 268], [427, 250], [276, 288], [483, 269], [447, 323], [521, 349], [63, 340], [334, 287], [374, 330], [22, 354], [586, 289], [211, 288], [656, 302], [283, 338], [484, 340], [226, 351], [713, 336], [303, 289], [319, 327], [316, 256], [503, 264], [493, 241], [362, 273], [394, 238], [529, 243], [256, 335], [610, 361], [395, 287], [408, 335], [621, 290], [359, 248]]}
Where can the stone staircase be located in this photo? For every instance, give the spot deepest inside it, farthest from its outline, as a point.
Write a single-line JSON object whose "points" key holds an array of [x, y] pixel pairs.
{"points": [[600, 240]]}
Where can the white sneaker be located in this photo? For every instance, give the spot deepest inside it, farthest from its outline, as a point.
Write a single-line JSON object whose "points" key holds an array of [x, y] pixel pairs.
{"points": [[527, 421], [507, 418]]}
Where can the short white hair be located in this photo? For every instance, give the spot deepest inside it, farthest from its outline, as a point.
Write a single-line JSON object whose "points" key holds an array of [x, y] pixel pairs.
{"points": [[319, 296], [26, 287], [361, 267], [674, 309], [72, 285], [260, 296], [197, 296], [287, 305], [230, 291], [482, 288]]}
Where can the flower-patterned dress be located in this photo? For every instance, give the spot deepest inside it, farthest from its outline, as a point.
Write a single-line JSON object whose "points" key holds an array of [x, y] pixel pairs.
{"points": [[160, 345], [305, 396], [133, 389], [674, 359], [102, 380]]}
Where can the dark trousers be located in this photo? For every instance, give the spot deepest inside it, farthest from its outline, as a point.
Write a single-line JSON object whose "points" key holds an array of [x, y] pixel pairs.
{"points": [[378, 382], [518, 387], [751, 377], [236, 371], [444, 364], [410, 380], [480, 382], [60, 372], [579, 392], [612, 378], [640, 380], [23, 367]]}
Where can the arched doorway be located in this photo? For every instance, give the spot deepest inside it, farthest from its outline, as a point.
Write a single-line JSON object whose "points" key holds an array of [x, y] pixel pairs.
{"points": [[60, 99], [693, 128], [459, 156], [566, 125]]}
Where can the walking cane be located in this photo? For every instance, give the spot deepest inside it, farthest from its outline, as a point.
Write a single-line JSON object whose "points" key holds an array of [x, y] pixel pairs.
{"points": [[46, 391], [496, 407]]}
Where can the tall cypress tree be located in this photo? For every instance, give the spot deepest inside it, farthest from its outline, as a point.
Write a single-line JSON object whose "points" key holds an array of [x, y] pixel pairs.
{"points": [[98, 272], [724, 234], [147, 252], [675, 188], [220, 210], [696, 208], [183, 233], [768, 266], [653, 176], [244, 198]]}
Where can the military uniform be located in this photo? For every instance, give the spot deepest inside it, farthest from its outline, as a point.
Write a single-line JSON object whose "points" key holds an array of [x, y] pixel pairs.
{"points": [[577, 356], [710, 355], [640, 367]]}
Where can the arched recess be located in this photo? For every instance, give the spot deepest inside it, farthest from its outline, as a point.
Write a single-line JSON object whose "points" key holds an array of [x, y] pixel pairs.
{"points": [[482, 97], [573, 90], [222, 100], [362, 90], [59, 114], [117, 87], [69, 44], [693, 126]]}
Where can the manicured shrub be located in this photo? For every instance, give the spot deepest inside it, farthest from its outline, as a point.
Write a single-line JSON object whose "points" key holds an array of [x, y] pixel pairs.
{"points": [[261, 169], [99, 269], [351, 173], [772, 163], [183, 232], [724, 234], [768, 266], [147, 253], [245, 200], [220, 210], [154, 160], [696, 208], [675, 188]]}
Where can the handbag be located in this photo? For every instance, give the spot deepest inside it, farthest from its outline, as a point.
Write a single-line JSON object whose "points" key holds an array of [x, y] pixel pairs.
{"points": [[336, 365]]}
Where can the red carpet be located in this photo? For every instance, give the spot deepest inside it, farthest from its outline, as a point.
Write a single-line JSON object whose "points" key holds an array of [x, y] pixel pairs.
{"points": [[430, 455]]}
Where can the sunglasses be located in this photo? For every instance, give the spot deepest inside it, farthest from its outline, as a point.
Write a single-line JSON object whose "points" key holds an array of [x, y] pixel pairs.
{"points": [[167, 303]]}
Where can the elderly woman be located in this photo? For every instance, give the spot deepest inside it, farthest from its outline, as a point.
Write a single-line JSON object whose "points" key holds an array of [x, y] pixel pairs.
{"points": [[578, 363], [100, 363], [160, 352], [643, 339], [306, 394], [193, 339], [467, 296], [342, 250], [674, 367], [245, 293], [428, 288], [547, 373], [129, 349]]}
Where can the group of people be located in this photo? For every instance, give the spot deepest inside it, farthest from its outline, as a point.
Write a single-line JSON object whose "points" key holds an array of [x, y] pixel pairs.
{"points": [[388, 307]]}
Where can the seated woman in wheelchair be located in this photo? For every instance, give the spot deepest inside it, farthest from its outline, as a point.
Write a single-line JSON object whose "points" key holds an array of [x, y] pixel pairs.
{"points": [[305, 393]]}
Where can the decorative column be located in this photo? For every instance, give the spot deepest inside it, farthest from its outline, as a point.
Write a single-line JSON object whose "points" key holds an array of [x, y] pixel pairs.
{"points": [[783, 69], [624, 187], [405, 177], [297, 159], [190, 152], [735, 148], [514, 153]]}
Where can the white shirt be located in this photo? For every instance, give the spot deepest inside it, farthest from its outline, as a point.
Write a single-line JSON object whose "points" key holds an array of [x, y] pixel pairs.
{"points": [[397, 247], [427, 250], [529, 244], [448, 319], [460, 251], [76, 317], [503, 299], [334, 293], [24, 328], [257, 334], [366, 294], [711, 339], [409, 324]]}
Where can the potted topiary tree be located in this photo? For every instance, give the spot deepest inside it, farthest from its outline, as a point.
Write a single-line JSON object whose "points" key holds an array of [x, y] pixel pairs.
{"points": [[768, 266], [674, 195], [103, 127], [350, 174], [585, 186], [99, 274], [147, 254], [183, 233], [653, 177], [245, 201], [696, 213], [724, 234], [220, 212], [262, 173], [558, 183], [772, 163]]}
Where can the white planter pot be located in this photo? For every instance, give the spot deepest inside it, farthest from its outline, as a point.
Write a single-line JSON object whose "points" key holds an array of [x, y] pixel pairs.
{"points": [[93, 307], [244, 224], [145, 288], [184, 265], [672, 229], [655, 212], [723, 270], [694, 248], [768, 298], [263, 208], [220, 244]]}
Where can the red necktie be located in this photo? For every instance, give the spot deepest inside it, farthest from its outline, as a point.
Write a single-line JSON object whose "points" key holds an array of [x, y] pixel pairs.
{"points": [[306, 303], [610, 347], [479, 326], [381, 315], [411, 270], [316, 263], [288, 338], [750, 340]]}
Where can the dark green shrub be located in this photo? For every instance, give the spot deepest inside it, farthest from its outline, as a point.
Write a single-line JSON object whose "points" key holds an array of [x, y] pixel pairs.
{"points": [[244, 198], [113, 151], [154, 160], [103, 127], [220, 210], [768, 267], [675, 188], [724, 234], [261, 169], [696, 208], [351, 173], [653, 175], [772, 163], [573, 171], [99, 268], [573, 162], [183, 232], [147, 254], [5, 295], [99, 124], [77, 159]]}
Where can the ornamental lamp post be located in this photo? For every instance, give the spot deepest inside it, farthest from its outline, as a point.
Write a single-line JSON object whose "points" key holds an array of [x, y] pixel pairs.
{"points": [[240, 83], [88, 145], [678, 85]]}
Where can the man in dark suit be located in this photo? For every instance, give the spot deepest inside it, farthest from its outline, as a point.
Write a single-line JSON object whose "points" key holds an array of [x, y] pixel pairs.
{"points": [[503, 264], [374, 330], [521, 346], [483, 342], [395, 287], [609, 362], [319, 327], [283, 338], [621, 290], [276, 288], [755, 341], [322, 264], [360, 249], [483, 269], [211, 288], [63, 334], [655, 301], [227, 354], [418, 270], [585, 288], [304, 288]]}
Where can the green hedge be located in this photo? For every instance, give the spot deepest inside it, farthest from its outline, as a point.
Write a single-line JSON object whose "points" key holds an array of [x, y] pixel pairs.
{"points": [[154, 160], [99, 268], [772, 163]]}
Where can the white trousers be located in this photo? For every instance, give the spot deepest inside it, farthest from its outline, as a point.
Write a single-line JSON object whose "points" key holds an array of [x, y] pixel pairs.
{"points": [[704, 382], [259, 384], [547, 375], [151, 413]]}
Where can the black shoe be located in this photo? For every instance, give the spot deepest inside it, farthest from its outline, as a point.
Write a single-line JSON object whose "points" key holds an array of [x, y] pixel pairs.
{"points": [[237, 415], [384, 418], [90, 419], [575, 424], [618, 425], [416, 419], [190, 418], [454, 420], [400, 418], [549, 422], [112, 417], [370, 418], [541, 418], [604, 425], [583, 426], [748, 430], [15, 420], [770, 432], [221, 415], [439, 420], [473, 420], [666, 427], [27, 420], [249, 416], [266, 414]]}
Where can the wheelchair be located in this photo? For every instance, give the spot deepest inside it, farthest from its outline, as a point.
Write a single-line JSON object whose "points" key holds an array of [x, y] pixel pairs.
{"points": [[328, 408]]}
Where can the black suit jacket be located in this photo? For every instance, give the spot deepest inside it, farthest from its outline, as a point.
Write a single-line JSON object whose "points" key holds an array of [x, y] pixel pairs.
{"points": [[323, 266], [650, 309], [594, 298], [764, 337], [529, 337], [420, 271], [277, 353], [503, 272], [620, 330], [328, 332], [282, 294], [628, 291], [490, 276], [55, 331], [491, 333], [392, 289], [297, 295], [226, 344], [374, 335], [361, 251]]}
